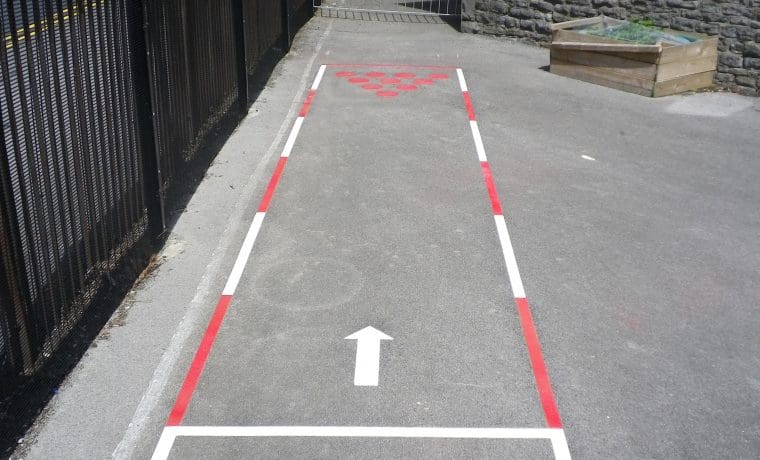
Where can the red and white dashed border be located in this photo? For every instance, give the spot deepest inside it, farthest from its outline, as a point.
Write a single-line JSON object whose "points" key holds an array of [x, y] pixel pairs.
{"points": [[201, 354], [554, 431], [540, 373]]}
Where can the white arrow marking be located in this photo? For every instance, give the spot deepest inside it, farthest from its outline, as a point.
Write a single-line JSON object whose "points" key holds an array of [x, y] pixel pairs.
{"points": [[367, 355]]}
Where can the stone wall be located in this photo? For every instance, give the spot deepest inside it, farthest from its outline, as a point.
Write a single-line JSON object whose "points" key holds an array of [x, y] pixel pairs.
{"points": [[736, 22]]}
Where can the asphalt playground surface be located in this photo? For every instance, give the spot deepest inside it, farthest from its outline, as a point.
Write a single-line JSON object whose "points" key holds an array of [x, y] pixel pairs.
{"points": [[633, 221]]}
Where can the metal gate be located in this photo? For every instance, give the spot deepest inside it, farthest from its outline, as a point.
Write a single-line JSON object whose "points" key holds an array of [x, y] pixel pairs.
{"points": [[393, 10]]}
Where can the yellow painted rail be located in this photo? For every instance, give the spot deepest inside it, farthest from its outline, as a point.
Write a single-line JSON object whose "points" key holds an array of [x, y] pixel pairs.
{"points": [[31, 30]]}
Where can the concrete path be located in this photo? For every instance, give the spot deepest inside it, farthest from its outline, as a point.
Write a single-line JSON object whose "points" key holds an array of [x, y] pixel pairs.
{"points": [[633, 222]]}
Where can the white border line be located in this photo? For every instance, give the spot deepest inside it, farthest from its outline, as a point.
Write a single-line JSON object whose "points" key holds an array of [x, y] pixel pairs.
{"points": [[170, 434], [258, 219], [293, 135], [244, 254], [462, 83], [318, 78], [364, 432], [518, 290], [478, 141]]}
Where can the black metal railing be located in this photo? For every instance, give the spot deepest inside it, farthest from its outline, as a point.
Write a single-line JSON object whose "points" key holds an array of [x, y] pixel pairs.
{"points": [[103, 106]]}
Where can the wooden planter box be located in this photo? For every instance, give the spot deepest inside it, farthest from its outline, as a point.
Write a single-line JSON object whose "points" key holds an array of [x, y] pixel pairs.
{"points": [[649, 70]]}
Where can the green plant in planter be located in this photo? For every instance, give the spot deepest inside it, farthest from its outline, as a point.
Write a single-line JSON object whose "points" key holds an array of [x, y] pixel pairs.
{"points": [[638, 32], [646, 22]]}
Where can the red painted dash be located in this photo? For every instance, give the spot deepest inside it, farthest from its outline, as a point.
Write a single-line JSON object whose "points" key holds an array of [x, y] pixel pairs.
{"points": [[199, 362], [548, 402], [492, 193], [468, 104], [307, 103], [272, 184]]}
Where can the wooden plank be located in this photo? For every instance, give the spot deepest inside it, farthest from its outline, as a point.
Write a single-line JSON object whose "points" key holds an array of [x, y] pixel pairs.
{"points": [[685, 83], [649, 58], [566, 35], [577, 23], [619, 47], [678, 69], [607, 62], [610, 80], [699, 49]]}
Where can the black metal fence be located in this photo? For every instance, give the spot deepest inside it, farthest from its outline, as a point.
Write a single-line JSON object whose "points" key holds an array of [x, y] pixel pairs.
{"points": [[103, 105]]}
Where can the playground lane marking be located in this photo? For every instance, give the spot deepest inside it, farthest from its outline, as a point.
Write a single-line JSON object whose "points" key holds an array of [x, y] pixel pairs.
{"points": [[540, 373], [207, 342], [170, 434], [553, 432]]}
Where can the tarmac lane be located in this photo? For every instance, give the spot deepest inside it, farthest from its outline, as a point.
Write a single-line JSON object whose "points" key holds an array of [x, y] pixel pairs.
{"points": [[380, 219]]}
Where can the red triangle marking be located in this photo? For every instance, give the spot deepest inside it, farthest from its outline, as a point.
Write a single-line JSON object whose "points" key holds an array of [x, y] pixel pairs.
{"points": [[400, 81]]}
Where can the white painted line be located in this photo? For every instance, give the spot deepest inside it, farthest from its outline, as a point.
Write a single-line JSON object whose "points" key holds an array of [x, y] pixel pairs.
{"points": [[365, 432], [170, 433], [165, 443], [559, 444], [292, 137], [586, 157], [367, 370], [509, 257], [318, 78], [462, 83], [245, 252], [478, 141]]}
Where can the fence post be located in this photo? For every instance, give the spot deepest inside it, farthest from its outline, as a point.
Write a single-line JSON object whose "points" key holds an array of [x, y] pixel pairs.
{"points": [[11, 315], [151, 165], [13, 331], [240, 55]]}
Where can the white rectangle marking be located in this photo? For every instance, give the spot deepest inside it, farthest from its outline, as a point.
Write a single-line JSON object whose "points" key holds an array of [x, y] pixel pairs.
{"points": [[292, 137], [245, 252], [478, 141], [462, 83], [509, 257], [318, 78]]}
